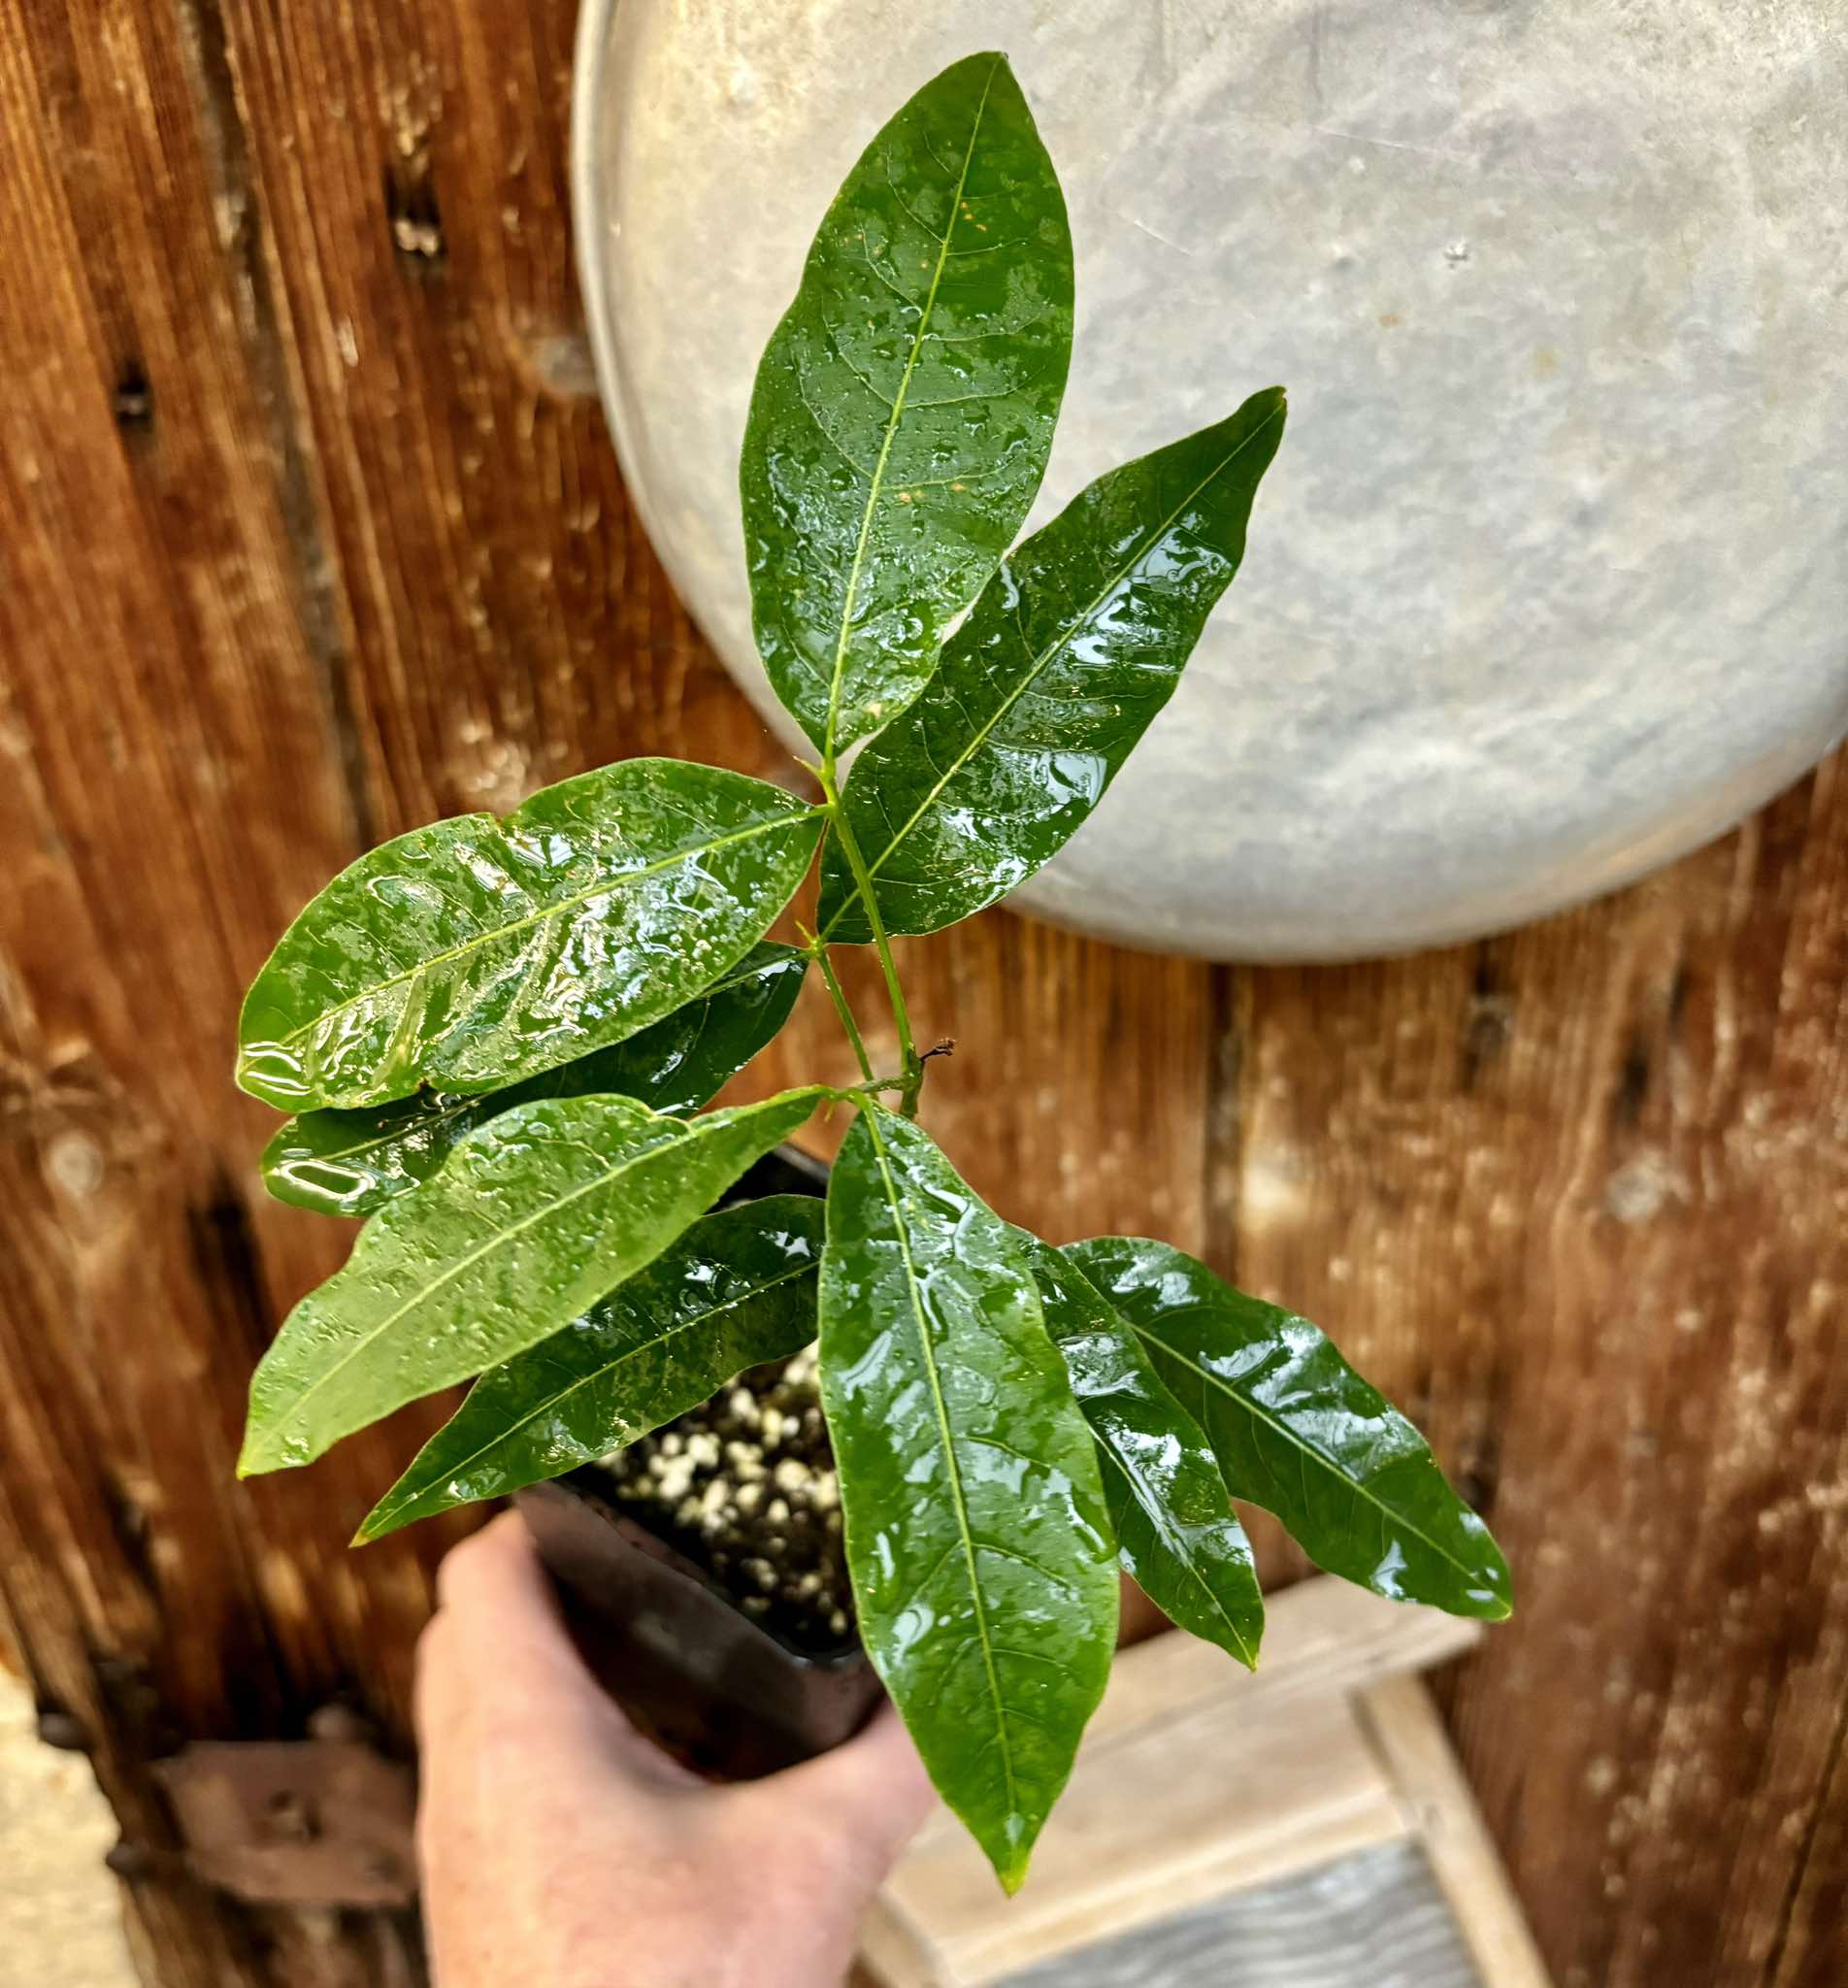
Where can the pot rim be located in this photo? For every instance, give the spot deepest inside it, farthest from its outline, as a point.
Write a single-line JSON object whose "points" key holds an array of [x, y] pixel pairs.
{"points": [[635, 1533]]}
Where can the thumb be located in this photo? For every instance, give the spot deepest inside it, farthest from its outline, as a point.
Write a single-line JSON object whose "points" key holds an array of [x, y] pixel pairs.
{"points": [[872, 1790], [499, 1660]]}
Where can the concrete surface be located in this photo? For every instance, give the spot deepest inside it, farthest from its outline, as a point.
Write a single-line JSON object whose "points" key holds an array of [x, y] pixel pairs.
{"points": [[1549, 582], [60, 1915]]}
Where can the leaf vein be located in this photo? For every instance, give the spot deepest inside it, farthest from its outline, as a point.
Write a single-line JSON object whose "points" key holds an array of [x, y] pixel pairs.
{"points": [[928, 1352], [604, 886], [1264, 1419], [468, 1261], [551, 1402], [891, 432], [1038, 663]]}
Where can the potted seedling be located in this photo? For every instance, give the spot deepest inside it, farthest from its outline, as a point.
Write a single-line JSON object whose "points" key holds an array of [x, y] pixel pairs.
{"points": [[497, 1038]]}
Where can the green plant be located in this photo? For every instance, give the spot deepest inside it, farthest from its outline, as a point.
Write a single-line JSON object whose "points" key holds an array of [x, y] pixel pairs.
{"points": [[498, 1034]]}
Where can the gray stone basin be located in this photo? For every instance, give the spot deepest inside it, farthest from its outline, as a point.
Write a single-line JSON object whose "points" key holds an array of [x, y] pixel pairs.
{"points": [[1549, 582]]}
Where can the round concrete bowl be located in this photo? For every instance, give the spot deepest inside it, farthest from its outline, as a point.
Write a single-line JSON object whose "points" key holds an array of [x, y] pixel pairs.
{"points": [[1549, 582]]}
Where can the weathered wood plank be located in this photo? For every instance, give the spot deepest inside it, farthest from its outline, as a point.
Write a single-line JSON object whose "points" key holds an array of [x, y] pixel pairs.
{"points": [[1576, 1196], [308, 531], [311, 532]]}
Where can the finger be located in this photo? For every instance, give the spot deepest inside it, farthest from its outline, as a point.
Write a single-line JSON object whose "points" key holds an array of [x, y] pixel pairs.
{"points": [[509, 1640], [506, 1619], [436, 1698], [497, 1572]]}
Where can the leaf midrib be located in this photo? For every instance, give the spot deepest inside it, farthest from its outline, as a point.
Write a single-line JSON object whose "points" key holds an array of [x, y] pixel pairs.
{"points": [[1357, 1485], [603, 1372], [1038, 663], [735, 976], [473, 1256], [575, 902], [915, 1291], [893, 419], [1159, 1518]]}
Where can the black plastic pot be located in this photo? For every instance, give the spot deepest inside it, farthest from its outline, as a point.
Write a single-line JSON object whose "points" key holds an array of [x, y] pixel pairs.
{"points": [[717, 1690]]}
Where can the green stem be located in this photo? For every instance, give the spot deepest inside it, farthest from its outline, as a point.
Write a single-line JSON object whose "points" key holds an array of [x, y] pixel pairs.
{"points": [[852, 1093], [819, 954], [895, 993]]}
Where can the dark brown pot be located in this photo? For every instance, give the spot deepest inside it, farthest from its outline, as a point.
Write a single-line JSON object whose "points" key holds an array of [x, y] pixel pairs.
{"points": [[717, 1690]]}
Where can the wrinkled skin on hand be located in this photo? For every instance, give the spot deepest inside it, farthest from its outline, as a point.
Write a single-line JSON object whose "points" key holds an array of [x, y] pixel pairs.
{"points": [[559, 1846]]}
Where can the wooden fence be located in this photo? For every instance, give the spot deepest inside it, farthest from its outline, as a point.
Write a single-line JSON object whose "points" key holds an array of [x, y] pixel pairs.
{"points": [[310, 532]]}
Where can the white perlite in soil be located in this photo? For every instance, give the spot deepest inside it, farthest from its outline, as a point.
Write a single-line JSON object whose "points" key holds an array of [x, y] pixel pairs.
{"points": [[745, 1486]]}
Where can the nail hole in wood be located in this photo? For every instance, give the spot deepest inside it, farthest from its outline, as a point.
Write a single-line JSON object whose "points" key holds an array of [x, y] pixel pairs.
{"points": [[132, 403], [1479, 1479], [1679, 988], [1633, 1083], [292, 1816], [411, 207], [1487, 1022]]}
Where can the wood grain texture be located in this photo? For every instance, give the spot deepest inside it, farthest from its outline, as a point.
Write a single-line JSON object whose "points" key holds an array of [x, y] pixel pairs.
{"points": [[1575, 1198], [1409, 1735], [310, 532], [1328, 1761]]}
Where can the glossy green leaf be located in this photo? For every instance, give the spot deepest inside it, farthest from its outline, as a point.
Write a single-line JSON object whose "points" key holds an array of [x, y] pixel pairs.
{"points": [[904, 406], [1299, 1432], [1075, 646], [352, 1163], [472, 953], [535, 1217], [1176, 1533], [737, 1289], [977, 1533]]}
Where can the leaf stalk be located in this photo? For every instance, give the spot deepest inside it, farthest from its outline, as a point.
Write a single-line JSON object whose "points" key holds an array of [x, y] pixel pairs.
{"points": [[818, 952], [862, 883]]}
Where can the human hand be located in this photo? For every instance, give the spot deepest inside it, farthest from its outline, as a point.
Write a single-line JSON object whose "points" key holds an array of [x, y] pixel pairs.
{"points": [[559, 1846]]}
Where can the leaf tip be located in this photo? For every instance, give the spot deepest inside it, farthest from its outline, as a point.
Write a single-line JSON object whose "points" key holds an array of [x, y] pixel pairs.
{"points": [[381, 1520], [269, 1071], [260, 1456], [1012, 1871]]}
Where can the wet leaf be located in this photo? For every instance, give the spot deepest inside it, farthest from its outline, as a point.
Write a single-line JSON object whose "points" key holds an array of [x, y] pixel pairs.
{"points": [[474, 953], [535, 1217], [1176, 1535], [1075, 646], [904, 406], [977, 1538], [1299, 1432], [352, 1163], [737, 1289]]}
